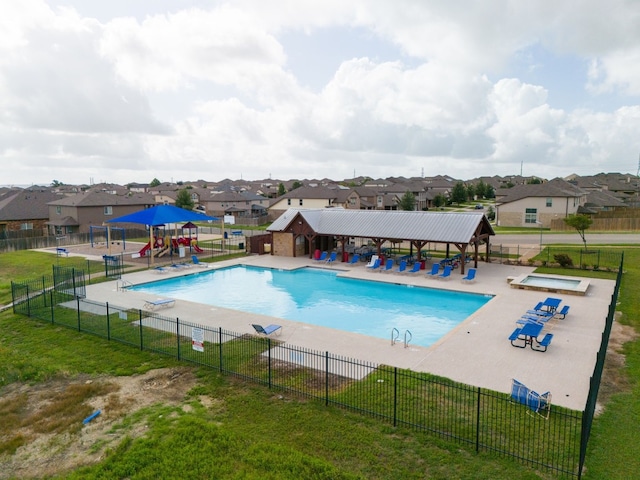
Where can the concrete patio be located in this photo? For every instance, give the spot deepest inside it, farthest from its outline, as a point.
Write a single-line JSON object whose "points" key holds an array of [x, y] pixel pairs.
{"points": [[477, 352]]}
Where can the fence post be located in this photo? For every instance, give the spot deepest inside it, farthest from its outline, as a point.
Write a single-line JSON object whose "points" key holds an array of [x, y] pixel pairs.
{"points": [[52, 310], [78, 307], [178, 335], [140, 330], [395, 395], [44, 289], [326, 377], [220, 346], [108, 323], [269, 360], [73, 278], [28, 303], [478, 423]]}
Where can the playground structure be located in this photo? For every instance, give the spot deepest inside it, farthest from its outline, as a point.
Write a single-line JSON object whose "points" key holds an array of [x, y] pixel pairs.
{"points": [[108, 237], [166, 243]]}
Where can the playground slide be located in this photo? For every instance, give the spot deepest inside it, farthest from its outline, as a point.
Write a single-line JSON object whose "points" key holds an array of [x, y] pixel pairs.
{"points": [[163, 250], [145, 249], [197, 248]]}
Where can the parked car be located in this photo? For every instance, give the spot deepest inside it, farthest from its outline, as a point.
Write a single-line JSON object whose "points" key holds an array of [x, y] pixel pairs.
{"points": [[479, 207]]}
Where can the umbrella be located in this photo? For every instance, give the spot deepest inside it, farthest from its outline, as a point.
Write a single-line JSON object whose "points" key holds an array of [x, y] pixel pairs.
{"points": [[161, 214]]}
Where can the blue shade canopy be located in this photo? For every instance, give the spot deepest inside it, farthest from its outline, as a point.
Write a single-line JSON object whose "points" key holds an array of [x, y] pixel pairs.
{"points": [[162, 214]]}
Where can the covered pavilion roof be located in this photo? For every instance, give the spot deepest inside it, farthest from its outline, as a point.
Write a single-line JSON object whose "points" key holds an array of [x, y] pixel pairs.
{"points": [[442, 227]]}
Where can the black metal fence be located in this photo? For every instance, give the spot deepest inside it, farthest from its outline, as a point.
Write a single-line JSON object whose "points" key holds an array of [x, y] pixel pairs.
{"points": [[594, 384], [482, 419], [589, 259]]}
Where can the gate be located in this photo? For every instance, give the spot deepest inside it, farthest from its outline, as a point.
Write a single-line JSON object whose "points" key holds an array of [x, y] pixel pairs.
{"points": [[113, 266]]}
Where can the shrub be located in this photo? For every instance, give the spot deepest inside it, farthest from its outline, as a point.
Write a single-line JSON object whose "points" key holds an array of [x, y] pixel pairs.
{"points": [[563, 259]]}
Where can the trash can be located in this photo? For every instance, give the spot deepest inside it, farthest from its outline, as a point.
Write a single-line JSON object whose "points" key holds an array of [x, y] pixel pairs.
{"points": [[345, 257], [241, 246], [181, 251], [423, 264], [226, 235], [316, 254]]}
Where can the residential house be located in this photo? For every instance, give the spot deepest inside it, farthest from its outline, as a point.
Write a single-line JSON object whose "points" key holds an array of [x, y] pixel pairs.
{"points": [[537, 205], [601, 201], [25, 209], [304, 197], [239, 204], [75, 214]]}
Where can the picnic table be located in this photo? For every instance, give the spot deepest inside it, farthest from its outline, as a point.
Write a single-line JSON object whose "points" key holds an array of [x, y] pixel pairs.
{"points": [[551, 304], [529, 333]]}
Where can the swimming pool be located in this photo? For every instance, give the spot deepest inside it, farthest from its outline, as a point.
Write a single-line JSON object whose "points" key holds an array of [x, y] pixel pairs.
{"points": [[321, 297]]}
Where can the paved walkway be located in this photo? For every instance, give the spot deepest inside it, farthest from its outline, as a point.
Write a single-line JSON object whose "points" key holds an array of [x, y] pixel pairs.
{"points": [[477, 352]]}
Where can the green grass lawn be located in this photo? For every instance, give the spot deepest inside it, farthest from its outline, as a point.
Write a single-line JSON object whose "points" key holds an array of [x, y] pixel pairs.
{"points": [[253, 432]]}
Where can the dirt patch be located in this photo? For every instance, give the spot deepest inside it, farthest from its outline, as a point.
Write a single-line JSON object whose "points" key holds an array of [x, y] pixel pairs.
{"points": [[614, 376], [47, 419]]}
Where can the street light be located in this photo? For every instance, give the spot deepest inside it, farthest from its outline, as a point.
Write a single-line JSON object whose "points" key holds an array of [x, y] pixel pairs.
{"points": [[540, 223]]}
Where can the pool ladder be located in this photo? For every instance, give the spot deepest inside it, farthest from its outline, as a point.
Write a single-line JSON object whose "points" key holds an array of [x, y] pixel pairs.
{"points": [[122, 285], [395, 335]]}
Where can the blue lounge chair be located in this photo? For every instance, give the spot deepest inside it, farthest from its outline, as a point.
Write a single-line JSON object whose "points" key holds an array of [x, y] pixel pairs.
{"points": [[532, 318], [162, 303], [197, 262], [402, 267], [388, 266], [446, 274], [435, 268], [470, 277], [332, 258], [355, 259], [415, 268], [537, 403], [322, 257], [268, 330]]}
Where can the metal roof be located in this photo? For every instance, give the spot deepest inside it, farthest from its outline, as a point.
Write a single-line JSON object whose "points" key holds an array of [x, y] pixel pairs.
{"points": [[445, 227]]}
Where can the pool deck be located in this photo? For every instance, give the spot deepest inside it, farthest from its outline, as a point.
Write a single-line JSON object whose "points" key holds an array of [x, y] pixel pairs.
{"points": [[477, 352]]}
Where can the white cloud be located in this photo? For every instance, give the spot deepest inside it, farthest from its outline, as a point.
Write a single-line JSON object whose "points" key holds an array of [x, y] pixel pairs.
{"points": [[98, 98]]}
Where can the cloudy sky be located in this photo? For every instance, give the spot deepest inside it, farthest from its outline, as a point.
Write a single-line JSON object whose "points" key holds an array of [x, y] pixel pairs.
{"points": [[131, 90]]}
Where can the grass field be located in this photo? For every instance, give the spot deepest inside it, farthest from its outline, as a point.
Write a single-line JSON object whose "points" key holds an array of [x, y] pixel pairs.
{"points": [[225, 428]]}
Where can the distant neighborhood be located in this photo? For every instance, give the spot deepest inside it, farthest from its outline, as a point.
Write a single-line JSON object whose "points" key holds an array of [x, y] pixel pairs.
{"points": [[514, 201]]}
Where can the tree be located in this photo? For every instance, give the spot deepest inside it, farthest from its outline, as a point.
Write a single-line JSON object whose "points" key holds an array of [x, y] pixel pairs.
{"points": [[184, 200], [459, 193], [489, 192], [154, 183], [534, 181], [407, 201], [491, 214], [471, 192], [56, 183], [295, 185], [481, 190], [281, 189], [580, 223], [439, 200]]}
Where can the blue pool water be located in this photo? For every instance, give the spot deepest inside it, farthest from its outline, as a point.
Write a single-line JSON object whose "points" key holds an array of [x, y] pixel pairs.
{"points": [[320, 297]]}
